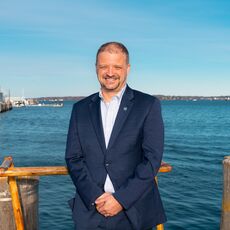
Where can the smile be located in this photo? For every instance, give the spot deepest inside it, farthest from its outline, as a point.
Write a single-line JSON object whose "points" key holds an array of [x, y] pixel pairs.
{"points": [[110, 78]]}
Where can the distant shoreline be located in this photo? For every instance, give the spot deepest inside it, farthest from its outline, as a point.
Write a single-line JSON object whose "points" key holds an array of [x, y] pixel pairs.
{"points": [[161, 97]]}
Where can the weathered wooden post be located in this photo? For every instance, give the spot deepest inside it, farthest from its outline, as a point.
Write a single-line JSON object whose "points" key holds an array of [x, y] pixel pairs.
{"points": [[28, 197], [225, 216], [18, 201]]}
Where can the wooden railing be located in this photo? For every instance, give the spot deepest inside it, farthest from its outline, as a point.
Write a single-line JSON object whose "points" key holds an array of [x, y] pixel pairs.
{"points": [[7, 169]]}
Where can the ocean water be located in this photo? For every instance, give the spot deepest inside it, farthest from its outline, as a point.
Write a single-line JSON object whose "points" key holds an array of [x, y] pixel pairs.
{"points": [[197, 137]]}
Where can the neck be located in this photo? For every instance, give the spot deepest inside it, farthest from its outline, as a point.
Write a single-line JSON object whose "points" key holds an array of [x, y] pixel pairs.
{"points": [[108, 95]]}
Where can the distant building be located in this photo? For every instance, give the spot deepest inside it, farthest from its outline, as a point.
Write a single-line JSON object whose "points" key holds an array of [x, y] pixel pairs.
{"points": [[1, 97], [4, 105], [17, 101]]}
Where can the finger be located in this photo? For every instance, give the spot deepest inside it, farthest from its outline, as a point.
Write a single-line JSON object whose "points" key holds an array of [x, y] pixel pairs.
{"points": [[103, 195], [102, 212], [100, 205], [102, 199], [101, 209], [100, 202]]}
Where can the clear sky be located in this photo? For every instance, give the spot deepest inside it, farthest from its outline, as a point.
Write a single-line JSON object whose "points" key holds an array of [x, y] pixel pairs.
{"points": [[177, 47]]}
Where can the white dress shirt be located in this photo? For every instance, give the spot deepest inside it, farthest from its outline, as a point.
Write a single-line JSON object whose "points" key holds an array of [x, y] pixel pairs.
{"points": [[109, 112]]}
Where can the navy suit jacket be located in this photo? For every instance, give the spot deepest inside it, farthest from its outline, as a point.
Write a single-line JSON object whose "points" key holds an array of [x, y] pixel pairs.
{"points": [[132, 159]]}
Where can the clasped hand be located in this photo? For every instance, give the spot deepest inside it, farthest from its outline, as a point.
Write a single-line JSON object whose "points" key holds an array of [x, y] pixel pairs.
{"points": [[107, 205]]}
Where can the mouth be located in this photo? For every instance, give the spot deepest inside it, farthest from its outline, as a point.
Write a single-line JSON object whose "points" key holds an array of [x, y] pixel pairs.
{"points": [[113, 78]]}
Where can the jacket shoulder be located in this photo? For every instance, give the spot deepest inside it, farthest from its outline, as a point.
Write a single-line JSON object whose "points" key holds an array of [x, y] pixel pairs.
{"points": [[85, 101], [145, 98]]}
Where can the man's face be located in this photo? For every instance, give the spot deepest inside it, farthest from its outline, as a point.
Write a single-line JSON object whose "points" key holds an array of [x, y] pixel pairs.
{"points": [[112, 71]]}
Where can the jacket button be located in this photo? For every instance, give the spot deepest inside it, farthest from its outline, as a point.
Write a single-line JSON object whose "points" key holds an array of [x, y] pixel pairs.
{"points": [[107, 164]]}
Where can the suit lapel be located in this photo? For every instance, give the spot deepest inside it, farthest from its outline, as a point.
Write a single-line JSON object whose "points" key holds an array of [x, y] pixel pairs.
{"points": [[123, 112], [95, 114]]}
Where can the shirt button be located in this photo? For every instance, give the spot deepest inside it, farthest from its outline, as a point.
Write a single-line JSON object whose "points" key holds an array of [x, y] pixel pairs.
{"points": [[92, 204], [107, 164]]}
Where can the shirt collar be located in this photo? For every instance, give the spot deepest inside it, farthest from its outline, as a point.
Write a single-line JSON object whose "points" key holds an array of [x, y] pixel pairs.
{"points": [[118, 95]]}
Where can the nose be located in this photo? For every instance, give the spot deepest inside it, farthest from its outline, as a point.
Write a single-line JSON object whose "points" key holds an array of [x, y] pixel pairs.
{"points": [[110, 71]]}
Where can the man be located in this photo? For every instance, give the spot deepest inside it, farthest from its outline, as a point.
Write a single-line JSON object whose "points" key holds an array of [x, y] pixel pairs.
{"points": [[114, 150]]}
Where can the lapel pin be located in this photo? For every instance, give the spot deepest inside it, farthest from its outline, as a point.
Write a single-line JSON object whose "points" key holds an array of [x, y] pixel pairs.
{"points": [[125, 108]]}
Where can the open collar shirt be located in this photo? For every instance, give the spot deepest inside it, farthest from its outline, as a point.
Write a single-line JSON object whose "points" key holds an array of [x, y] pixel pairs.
{"points": [[109, 112]]}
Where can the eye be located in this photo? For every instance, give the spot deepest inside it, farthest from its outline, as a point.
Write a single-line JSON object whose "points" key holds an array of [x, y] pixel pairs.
{"points": [[102, 67], [118, 67]]}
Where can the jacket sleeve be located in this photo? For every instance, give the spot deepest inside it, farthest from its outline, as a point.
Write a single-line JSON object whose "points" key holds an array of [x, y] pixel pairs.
{"points": [[146, 170], [75, 160]]}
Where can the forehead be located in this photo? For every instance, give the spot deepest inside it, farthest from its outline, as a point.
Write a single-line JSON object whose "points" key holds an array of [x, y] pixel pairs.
{"points": [[107, 56]]}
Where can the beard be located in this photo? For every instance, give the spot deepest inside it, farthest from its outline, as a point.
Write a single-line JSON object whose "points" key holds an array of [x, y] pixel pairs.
{"points": [[110, 83]]}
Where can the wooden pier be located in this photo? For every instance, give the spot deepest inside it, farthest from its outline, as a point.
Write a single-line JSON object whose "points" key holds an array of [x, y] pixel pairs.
{"points": [[5, 106], [12, 174], [225, 215]]}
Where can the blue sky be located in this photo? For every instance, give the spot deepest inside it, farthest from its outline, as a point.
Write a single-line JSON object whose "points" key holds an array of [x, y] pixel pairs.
{"points": [[177, 47]]}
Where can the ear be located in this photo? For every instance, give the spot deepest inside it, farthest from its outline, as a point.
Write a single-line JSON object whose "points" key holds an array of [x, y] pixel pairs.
{"points": [[96, 68], [128, 68]]}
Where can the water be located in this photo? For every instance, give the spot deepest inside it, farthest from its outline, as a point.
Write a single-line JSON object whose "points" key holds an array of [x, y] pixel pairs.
{"points": [[196, 141]]}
